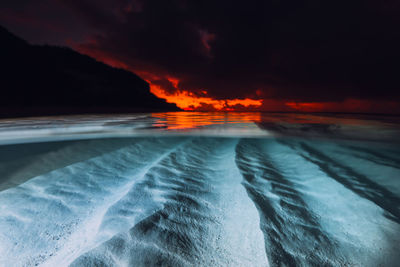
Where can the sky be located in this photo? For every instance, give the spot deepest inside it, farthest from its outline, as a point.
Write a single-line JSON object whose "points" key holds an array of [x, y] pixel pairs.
{"points": [[271, 55]]}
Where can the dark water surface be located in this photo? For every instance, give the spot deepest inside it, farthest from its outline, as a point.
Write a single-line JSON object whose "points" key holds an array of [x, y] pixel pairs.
{"points": [[200, 189]]}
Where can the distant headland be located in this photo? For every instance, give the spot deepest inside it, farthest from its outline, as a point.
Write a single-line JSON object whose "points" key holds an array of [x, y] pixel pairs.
{"points": [[49, 80]]}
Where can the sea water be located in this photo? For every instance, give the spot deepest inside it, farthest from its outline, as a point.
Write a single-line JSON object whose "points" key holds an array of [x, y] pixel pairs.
{"points": [[200, 189]]}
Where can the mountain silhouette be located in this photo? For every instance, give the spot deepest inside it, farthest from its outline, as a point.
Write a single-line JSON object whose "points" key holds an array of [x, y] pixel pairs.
{"points": [[50, 80]]}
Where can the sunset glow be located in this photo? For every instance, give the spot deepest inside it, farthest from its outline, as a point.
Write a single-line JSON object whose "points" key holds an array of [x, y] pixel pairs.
{"points": [[189, 101], [184, 99], [348, 105]]}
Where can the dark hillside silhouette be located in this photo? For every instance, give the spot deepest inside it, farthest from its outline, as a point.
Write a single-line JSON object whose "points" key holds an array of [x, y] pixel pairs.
{"points": [[48, 80]]}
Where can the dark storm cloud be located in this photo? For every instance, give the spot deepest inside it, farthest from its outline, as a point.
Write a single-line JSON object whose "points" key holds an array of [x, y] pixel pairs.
{"points": [[293, 50], [45, 21]]}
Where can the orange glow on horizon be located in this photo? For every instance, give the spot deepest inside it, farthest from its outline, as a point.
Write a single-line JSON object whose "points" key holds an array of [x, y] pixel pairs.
{"points": [[189, 101], [307, 106], [182, 98], [348, 105]]}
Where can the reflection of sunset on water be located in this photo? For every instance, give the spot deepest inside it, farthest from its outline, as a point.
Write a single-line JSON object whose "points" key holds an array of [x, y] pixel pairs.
{"points": [[191, 120]]}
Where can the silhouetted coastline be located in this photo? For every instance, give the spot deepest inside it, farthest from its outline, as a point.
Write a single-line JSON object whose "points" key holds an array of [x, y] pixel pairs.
{"points": [[49, 80]]}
